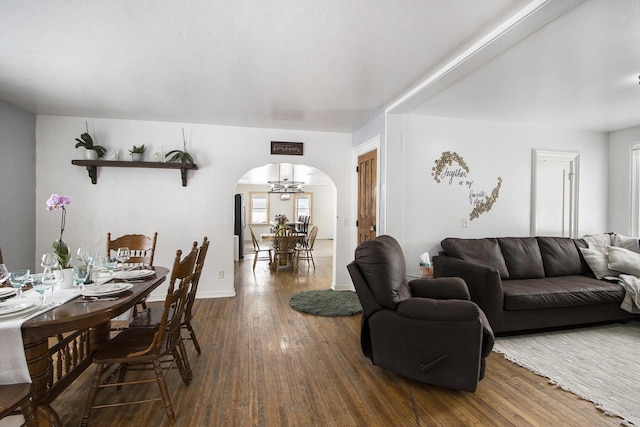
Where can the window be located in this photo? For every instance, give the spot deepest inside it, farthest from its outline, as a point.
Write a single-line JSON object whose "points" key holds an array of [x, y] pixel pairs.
{"points": [[302, 205], [259, 208]]}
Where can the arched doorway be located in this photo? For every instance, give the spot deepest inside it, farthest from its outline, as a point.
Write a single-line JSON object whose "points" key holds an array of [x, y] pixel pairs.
{"points": [[260, 203]]}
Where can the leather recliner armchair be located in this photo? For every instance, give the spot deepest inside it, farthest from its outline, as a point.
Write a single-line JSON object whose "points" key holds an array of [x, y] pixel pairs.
{"points": [[425, 329]]}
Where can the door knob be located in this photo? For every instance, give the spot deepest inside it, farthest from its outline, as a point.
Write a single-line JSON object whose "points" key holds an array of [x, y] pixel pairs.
{"points": [[372, 228]]}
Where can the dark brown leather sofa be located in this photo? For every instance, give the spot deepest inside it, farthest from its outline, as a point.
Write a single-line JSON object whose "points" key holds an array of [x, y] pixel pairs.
{"points": [[426, 329], [525, 283]]}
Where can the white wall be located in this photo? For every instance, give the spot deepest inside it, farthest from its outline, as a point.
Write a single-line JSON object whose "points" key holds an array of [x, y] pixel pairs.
{"points": [[17, 181], [431, 211], [322, 208], [620, 174], [127, 200]]}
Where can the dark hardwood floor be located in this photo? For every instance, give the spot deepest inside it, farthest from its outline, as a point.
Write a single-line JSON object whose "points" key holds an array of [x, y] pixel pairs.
{"points": [[264, 364]]}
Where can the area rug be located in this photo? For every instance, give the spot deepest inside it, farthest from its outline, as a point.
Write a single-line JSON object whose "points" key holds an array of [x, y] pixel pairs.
{"points": [[327, 303], [600, 364]]}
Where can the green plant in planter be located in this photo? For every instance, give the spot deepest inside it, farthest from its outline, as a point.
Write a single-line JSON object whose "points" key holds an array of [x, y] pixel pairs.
{"points": [[138, 150], [178, 155], [86, 141]]}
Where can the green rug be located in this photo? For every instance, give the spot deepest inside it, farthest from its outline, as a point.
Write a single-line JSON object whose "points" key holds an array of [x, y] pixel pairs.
{"points": [[328, 303]]}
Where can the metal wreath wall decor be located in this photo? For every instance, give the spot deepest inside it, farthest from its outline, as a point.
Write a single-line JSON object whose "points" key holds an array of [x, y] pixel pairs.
{"points": [[444, 171]]}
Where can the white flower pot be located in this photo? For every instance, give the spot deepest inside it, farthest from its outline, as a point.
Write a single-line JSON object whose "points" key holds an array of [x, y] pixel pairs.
{"points": [[136, 157], [67, 278], [91, 154]]}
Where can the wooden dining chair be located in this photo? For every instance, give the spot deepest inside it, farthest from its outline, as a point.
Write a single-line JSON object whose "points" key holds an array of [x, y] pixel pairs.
{"points": [[284, 244], [142, 248], [305, 251], [151, 316], [260, 250], [14, 396], [161, 346]]}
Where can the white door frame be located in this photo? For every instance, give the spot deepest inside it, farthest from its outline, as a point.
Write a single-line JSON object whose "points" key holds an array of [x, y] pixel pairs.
{"points": [[570, 156]]}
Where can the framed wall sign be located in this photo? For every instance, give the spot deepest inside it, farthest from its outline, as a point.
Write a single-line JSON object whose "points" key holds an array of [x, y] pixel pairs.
{"points": [[287, 148]]}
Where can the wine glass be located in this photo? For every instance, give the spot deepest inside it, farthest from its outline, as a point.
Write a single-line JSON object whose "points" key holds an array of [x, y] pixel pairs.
{"points": [[18, 278], [4, 273], [50, 279], [84, 255], [80, 275], [123, 255], [110, 263], [40, 286], [49, 261]]}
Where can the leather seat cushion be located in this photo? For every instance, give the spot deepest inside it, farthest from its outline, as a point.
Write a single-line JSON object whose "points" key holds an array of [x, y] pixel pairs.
{"points": [[563, 291]]}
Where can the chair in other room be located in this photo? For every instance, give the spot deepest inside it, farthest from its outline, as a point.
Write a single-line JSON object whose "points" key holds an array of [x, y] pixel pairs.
{"points": [[260, 250], [305, 250], [427, 329], [152, 315], [142, 248], [161, 346], [303, 224], [284, 248], [14, 396]]}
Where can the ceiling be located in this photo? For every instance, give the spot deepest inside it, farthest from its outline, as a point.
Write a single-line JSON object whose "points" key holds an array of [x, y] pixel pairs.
{"points": [[322, 64], [299, 64]]}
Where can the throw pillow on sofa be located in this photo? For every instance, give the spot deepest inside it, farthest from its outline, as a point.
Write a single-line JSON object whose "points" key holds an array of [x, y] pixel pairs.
{"points": [[598, 262], [630, 243], [624, 260]]}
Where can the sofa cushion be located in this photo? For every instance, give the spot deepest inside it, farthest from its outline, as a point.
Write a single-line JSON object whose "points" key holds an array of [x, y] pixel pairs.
{"points": [[598, 262], [624, 261], [561, 257], [382, 264], [553, 292], [630, 243], [599, 242], [522, 257], [479, 251]]}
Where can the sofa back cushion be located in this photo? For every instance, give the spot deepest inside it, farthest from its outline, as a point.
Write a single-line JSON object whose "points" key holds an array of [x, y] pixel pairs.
{"points": [[561, 257], [479, 251], [522, 257], [382, 264]]}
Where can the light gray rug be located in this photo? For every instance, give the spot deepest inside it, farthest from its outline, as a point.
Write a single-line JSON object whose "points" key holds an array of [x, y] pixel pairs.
{"points": [[600, 364]]}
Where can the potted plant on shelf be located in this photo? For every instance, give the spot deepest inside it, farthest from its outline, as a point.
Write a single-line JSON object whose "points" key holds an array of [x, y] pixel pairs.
{"points": [[137, 153], [93, 152], [180, 155]]}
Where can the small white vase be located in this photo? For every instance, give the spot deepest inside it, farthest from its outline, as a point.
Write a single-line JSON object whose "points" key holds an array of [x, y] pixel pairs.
{"points": [[136, 157], [67, 278], [91, 154]]}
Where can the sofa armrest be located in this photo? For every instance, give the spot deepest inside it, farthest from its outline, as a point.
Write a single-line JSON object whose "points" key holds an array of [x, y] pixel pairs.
{"points": [[483, 281], [442, 288], [438, 310]]}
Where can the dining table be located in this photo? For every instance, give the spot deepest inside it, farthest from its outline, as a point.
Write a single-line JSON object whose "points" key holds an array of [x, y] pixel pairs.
{"points": [[59, 343], [283, 247]]}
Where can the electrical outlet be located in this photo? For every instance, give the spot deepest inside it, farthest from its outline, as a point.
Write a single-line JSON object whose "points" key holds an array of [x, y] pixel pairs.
{"points": [[220, 274], [465, 224]]}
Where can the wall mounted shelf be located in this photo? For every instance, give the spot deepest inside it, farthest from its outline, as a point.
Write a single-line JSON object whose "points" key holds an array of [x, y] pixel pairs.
{"points": [[92, 167]]}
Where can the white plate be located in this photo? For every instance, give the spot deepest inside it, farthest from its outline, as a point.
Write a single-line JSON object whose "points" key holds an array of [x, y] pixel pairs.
{"points": [[15, 307], [134, 274], [106, 289], [6, 292]]}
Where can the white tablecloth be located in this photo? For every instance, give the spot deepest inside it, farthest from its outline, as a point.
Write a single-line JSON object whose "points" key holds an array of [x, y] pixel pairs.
{"points": [[13, 362]]}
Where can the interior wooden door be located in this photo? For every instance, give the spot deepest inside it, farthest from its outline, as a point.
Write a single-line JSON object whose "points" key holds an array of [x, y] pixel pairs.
{"points": [[367, 205]]}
